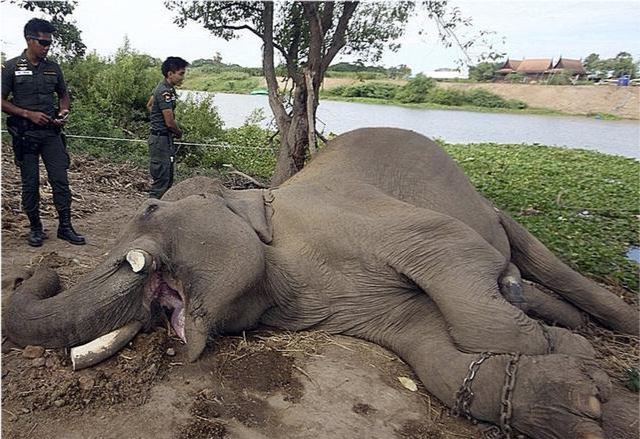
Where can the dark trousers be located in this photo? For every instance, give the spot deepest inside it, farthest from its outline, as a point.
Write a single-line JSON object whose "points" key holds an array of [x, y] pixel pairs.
{"points": [[161, 164], [56, 161]]}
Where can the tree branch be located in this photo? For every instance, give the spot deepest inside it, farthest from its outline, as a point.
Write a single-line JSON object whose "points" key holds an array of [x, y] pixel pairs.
{"points": [[327, 16], [282, 119], [338, 40]]}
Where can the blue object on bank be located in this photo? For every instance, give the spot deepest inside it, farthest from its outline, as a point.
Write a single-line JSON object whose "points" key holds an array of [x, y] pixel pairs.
{"points": [[624, 80]]}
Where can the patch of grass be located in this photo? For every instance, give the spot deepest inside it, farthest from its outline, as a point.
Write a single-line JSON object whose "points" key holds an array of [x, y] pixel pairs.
{"points": [[582, 205], [226, 82], [604, 116]]}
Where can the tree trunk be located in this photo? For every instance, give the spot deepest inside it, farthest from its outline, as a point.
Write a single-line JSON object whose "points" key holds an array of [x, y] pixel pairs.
{"points": [[294, 139]]}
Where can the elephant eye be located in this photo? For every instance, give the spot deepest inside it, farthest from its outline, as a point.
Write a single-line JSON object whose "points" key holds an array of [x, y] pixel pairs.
{"points": [[150, 209]]}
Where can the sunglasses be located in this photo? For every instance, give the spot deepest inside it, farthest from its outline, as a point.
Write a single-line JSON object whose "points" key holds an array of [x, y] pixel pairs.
{"points": [[42, 42]]}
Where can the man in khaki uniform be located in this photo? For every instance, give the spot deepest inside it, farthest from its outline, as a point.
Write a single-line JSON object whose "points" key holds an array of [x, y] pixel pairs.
{"points": [[164, 127], [38, 109]]}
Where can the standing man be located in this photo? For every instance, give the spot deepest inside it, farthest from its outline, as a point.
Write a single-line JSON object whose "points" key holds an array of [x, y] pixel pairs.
{"points": [[164, 127], [35, 122]]}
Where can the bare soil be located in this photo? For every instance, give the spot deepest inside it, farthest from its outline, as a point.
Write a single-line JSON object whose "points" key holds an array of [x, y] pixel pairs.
{"points": [[264, 384]]}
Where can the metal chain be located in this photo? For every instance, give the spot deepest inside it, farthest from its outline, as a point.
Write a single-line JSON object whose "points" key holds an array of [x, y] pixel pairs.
{"points": [[464, 396], [506, 408]]}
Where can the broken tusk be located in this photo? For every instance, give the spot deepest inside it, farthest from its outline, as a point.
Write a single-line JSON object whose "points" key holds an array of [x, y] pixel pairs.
{"points": [[139, 259], [103, 347]]}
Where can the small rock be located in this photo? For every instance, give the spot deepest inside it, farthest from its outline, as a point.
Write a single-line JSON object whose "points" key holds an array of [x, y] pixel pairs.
{"points": [[171, 352], [50, 363], [32, 352], [38, 362], [58, 403], [25, 410], [86, 383]]}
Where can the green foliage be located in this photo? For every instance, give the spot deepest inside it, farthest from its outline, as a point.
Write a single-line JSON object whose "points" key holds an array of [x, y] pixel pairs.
{"points": [[585, 203], [560, 79], [447, 96], [633, 379], [201, 123], [216, 79], [416, 90], [68, 44], [621, 64], [484, 71], [124, 88], [375, 90], [515, 77]]}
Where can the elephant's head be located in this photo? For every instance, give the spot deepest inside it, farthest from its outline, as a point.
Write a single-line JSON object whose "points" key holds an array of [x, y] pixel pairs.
{"points": [[201, 258]]}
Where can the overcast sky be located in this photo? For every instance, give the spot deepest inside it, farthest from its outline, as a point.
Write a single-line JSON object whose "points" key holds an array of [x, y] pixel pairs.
{"points": [[531, 29]]}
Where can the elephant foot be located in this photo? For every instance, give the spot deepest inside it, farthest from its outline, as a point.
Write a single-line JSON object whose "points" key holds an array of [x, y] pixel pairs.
{"points": [[555, 397]]}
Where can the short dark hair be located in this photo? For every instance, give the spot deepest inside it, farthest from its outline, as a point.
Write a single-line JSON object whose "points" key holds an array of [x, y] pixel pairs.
{"points": [[37, 25], [173, 64]]}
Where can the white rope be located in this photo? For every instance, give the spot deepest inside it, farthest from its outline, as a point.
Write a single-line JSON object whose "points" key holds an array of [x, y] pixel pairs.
{"points": [[117, 139]]}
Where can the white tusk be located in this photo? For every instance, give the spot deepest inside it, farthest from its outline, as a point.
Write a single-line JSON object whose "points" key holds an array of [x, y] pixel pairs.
{"points": [[139, 259], [103, 347]]}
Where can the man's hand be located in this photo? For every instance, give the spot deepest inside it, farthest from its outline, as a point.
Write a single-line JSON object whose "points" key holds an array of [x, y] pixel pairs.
{"points": [[62, 118], [37, 117]]}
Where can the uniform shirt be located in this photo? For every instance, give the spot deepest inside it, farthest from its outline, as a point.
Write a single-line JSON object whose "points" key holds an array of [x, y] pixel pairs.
{"points": [[164, 97], [33, 87]]}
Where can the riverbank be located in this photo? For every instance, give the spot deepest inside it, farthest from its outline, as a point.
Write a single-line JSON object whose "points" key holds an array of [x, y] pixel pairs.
{"points": [[599, 101], [585, 100]]}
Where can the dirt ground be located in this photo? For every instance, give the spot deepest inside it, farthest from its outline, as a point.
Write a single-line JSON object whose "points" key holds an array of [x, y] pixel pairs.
{"points": [[258, 385], [585, 100]]}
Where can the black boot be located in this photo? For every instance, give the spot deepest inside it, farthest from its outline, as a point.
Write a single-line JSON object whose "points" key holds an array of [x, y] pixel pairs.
{"points": [[65, 229], [36, 236]]}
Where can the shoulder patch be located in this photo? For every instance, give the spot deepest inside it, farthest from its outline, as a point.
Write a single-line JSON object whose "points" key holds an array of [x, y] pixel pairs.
{"points": [[168, 96]]}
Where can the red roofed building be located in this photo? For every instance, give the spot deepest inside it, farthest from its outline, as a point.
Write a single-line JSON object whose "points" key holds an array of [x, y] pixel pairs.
{"points": [[569, 66]]}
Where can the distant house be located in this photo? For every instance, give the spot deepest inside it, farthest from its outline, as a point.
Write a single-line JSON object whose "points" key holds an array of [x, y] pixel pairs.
{"points": [[571, 67], [510, 66], [540, 69]]}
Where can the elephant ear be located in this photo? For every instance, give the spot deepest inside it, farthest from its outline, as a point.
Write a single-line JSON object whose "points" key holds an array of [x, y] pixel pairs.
{"points": [[254, 205]]}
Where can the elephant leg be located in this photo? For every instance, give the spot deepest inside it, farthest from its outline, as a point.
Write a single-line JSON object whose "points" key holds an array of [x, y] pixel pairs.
{"points": [[511, 287], [551, 309], [552, 396], [459, 271], [620, 415], [539, 265]]}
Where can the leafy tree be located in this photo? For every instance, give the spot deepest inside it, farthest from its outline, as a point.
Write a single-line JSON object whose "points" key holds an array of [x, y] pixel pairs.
{"points": [[484, 71], [623, 64], [308, 36], [416, 90], [399, 72], [592, 63], [68, 39]]}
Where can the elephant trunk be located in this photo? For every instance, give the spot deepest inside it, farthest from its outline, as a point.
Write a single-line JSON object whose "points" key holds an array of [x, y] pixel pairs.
{"points": [[107, 298]]}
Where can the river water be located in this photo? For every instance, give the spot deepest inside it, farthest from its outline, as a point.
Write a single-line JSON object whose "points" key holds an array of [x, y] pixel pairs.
{"points": [[619, 137]]}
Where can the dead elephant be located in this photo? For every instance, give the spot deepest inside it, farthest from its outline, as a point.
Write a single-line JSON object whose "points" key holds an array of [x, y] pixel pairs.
{"points": [[381, 237]]}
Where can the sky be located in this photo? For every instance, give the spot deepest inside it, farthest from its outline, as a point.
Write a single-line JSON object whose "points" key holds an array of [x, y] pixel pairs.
{"points": [[524, 29]]}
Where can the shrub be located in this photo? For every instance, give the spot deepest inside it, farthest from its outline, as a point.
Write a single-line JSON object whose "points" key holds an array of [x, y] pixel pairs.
{"points": [[447, 96], [416, 90], [374, 90]]}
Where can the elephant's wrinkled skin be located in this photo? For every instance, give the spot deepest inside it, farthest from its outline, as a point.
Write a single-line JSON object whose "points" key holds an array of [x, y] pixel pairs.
{"points": [[381, 237]]}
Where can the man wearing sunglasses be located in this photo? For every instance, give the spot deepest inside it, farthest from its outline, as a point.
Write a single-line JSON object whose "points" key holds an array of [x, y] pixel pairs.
{"points": [[38, 109]]}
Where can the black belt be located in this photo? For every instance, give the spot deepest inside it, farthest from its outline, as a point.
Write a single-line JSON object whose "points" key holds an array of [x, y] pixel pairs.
{"points": [[160, 133]]}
